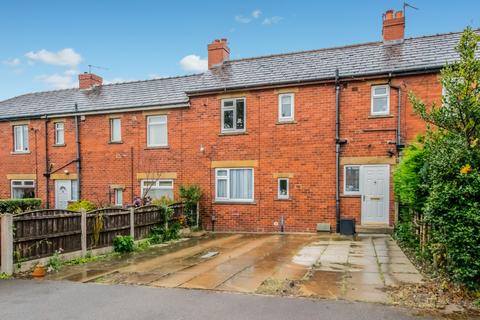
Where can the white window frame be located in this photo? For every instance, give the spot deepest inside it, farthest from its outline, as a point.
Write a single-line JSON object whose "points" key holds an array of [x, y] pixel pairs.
{"points": [[292, 105], [163, 121], [21, 186], [112, 128], [234, 109], [158, 186], [373, 95], [283, 196], [116, 198], [57, 135], [227, 178], [20, 137], [352, 193]]}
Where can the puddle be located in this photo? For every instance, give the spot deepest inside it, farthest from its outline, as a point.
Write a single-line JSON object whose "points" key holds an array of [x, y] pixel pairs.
{"points": [[209, 254], [85, 275]]}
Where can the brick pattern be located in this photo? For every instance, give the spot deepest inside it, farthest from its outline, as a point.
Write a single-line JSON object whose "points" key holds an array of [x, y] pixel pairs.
{"points": [[304, 148]]}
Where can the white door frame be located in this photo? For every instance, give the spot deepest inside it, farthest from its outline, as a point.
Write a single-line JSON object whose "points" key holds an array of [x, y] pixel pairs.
{"points": [[387, 193], [66, 183]]}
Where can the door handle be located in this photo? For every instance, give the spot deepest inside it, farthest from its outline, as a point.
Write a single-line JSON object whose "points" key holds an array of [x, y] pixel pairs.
{"points": [[363, 197]]}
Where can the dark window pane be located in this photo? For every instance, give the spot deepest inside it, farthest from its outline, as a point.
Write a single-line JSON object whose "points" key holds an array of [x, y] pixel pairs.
{"points": [[283, 190], [228, 119], [240, 121], [352, 179]]}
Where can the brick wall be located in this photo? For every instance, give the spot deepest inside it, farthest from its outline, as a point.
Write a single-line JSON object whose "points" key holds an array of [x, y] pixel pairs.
{"points": [[305, 149]]}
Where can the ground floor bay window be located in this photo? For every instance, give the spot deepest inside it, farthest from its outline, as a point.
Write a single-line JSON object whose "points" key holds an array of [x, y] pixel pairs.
{"points": [[157, 189], [234, 185]]}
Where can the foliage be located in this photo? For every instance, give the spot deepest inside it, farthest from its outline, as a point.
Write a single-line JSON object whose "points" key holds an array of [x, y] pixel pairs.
{"points": [[55, 262], [4, 276], [442, 180], [143, 244], [160, 233], [82, 204], [190, 195], [164, 200], [123, 244], [19, 205]]}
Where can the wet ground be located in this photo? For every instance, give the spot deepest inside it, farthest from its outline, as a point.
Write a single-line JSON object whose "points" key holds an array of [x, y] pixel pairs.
{"points": [[304, 265]]}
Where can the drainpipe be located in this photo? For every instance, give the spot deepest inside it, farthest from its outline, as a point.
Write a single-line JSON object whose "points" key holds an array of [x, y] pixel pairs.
{"points": [[398, 139], [47, 166], [338, 144], [77, 141]]}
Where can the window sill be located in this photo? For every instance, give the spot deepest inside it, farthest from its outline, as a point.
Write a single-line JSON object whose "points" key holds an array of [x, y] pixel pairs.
{"points": [[234, 202], [380, 116], [115, 142], [58, 145], [286, 122], [236, 133], [20, 152], [283, 199], [157, 148], [351, 195]]}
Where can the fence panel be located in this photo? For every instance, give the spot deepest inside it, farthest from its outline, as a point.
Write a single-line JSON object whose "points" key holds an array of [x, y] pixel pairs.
{"points": [[145, 218], [40, 233], [104, 225]]}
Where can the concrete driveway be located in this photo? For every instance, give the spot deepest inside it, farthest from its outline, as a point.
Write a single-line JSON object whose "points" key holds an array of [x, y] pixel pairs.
{"points": [[300, 265]]}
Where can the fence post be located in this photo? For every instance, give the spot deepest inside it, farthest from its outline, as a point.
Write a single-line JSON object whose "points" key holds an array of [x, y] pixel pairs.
{"points": [[6, 243], [132, 222], [84, 231], [198, 213]]}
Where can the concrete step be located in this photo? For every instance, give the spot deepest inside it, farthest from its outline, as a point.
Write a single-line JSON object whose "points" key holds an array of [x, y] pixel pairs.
{"points": [[374, 229]]}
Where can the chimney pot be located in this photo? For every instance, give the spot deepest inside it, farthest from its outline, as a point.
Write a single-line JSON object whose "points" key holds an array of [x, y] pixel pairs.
{"points": [[218, 52], [393, 27], [89, 81]]}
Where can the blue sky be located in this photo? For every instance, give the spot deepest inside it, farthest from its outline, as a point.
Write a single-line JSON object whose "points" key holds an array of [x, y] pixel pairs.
{"points": [[45, 44]]}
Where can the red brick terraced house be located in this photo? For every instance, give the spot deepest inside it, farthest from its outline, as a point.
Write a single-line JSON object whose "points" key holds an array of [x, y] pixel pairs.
{"points": [[286, 142]]}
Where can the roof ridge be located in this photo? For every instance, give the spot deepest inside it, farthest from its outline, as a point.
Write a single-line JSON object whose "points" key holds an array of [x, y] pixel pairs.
{"points": [[154, 79], [337, 47]]}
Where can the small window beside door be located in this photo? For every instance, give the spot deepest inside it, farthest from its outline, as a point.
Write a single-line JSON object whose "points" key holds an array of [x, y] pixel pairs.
{"points": [[380, 105], [59, 133], [118, 197], [116, 130], [283, 188], [286, 107], [351, 180]]}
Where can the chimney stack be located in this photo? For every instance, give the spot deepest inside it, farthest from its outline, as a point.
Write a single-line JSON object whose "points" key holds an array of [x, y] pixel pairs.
{"points": [[89, 81], [393, 26], [218, 52]]}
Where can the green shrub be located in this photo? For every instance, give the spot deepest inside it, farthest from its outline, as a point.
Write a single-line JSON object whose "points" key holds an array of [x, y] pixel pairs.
{"points": [[82, 204], [162, 233], [163, 201], [19, 205], [190, 195], [123, 244]]}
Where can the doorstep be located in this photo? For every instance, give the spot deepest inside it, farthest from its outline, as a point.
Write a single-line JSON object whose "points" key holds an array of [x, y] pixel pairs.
{"points": [[374, 229]]}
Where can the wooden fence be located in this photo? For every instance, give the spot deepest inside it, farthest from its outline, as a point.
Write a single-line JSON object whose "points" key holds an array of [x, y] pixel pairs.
{"points": [[41, 233]]}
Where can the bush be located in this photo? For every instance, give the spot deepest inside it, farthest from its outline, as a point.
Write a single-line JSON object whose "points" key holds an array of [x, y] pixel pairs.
{"points": [[123, 244], [162, 233], [82, 204], [163, 201], [19, 205], [190, 195]]}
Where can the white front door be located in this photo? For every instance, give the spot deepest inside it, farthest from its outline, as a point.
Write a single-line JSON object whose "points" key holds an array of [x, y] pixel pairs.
{"points": [[375, 194], [63, 193]]}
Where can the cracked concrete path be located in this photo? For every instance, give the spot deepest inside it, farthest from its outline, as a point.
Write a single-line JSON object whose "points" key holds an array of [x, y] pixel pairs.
{"points": [[315, 266]]}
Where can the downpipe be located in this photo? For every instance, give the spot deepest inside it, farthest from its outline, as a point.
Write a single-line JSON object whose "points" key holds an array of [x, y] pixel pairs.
{"points": [[338, 144]]}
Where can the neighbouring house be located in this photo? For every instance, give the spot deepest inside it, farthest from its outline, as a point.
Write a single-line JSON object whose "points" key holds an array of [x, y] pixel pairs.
{"points": [[280, 142]]}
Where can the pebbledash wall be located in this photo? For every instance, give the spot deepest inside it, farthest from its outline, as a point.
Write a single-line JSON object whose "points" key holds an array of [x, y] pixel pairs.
{"points": [[302, 150]]}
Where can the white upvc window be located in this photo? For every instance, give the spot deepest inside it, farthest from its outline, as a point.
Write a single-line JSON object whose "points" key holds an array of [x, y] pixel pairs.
{"points": [[380, 100], [59, 133], [115, 130], [283, 188], [233, 115], [286, 107], [157, 189], [351, 178], [234, 184], [20, 138], [118, 197], [23, 189], [157, 135]]}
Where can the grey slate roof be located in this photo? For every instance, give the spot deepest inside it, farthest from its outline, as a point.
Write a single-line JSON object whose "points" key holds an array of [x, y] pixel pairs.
{"points": [[356, 60]]}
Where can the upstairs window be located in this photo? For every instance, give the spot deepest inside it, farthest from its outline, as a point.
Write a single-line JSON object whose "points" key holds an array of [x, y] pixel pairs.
{"points": [[234, 185], [115, 130], [23, 189], [157, 131], [20, 138], [59, 133], [233, 115], [352, 180], [286, 107], [380, 100]]}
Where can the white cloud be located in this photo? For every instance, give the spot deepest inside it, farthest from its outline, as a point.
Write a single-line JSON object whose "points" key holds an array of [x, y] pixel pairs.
{"points": [[272, 20], [58, 81], [194, 63], [242, 19], [12, 62], [71, 72], [64, 57], [117, 80], [256, 14]]}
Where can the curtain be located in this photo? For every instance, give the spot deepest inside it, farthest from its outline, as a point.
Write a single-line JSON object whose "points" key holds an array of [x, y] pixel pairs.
{"points": [[241, 184]]}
